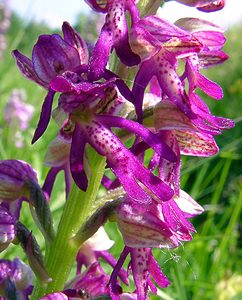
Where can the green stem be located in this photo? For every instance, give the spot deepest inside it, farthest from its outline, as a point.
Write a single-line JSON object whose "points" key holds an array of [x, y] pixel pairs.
{"points": [[63, 250], [147, 7]]}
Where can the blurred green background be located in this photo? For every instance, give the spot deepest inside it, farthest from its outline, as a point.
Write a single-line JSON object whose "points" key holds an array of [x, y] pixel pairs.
{"points": [[209, 267]]}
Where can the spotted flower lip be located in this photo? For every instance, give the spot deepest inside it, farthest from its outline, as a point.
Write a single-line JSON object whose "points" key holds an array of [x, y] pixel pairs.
{"points": [[13, 176], [144, 267], [114, 34], [123, 163]]}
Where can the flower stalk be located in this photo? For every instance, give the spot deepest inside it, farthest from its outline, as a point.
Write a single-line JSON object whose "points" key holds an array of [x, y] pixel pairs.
{"points": [[76, 211]]}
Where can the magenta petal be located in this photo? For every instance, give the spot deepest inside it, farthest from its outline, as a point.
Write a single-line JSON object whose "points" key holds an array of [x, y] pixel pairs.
{"points": [[112, 262], [113, 288], [62, 85], [209, 87], [156, 273], [141, 81], [100, 55], [151, 139], [44, 116], [76, 159], [139, 265]]}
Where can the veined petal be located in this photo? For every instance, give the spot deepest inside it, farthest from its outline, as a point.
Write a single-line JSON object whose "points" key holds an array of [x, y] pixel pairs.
{"points": [[143, 229], [57, 153], [167, 116], [210, 58], [26, 67], [13, 176], [52, 56], [73, 38], [195, 25], [151, 33], [189, 206], [212, 40], [196, 144]]}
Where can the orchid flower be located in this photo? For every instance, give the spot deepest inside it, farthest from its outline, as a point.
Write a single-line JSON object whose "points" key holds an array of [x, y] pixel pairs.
{"points": [[16, 278], [114, 34], [52, 55], [204, 5]]}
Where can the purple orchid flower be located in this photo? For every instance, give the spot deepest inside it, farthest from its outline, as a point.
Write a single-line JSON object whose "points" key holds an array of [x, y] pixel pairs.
{"points": [[162, 225], [14, 176], [143, 266], [93, 280], [114, 34], [18, 182], [7, 228], [16, 278], [159, 43], [91, 120], [159, 55], [52, 55], [204, 5]]}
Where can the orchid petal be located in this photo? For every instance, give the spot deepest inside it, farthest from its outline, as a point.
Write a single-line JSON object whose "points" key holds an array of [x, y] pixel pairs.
{"points": [[52, 56], [26, 67], [139, 265], [44, 116], [189, 206], [156, 273], [73, 38], [76, 159], [150, 138]]}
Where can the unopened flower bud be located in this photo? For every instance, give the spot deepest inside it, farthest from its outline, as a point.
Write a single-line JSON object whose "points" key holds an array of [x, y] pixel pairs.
{"points": [[13, 177], [32, 250]]}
